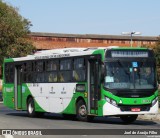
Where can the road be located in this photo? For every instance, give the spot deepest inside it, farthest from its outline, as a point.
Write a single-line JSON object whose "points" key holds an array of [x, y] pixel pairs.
{"points": [[10, 119]]}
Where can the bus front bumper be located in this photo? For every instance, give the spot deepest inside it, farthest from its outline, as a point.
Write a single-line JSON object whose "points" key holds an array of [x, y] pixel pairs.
{"points": [[109, 109]]}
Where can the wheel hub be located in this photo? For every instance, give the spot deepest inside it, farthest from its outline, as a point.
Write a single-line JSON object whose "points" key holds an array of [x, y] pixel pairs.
{"points": [[82, 110], [30, 108]]}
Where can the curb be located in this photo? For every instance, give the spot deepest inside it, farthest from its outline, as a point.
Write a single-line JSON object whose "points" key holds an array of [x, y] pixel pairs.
{"points": [[154, 117]]}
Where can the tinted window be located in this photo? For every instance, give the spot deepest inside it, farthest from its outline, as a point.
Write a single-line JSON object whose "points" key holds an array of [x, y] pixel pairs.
{"points": [[79, 72], [51, 77], [79, 63], [9, 73], [65, 64], [65, 76], [51, 65], [39, 66]]}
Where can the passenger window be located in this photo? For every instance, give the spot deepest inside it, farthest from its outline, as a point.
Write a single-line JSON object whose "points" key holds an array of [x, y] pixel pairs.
{"points": [[9, 73], [27, 71], [79, 75], [79, 63], [39, 77], [39, 66], [79, 72], [52, 77], [65, 64], [51, 65], [65, 76]]}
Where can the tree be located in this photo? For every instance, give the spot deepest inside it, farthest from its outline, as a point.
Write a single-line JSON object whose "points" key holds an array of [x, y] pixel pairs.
{"points": [[14, 30], [156, 49], [157, 54]]}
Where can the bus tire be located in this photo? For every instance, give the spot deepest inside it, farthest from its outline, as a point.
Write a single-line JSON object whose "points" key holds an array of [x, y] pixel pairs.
{"points": [[127, 119], [31, 108], [81, 111]]}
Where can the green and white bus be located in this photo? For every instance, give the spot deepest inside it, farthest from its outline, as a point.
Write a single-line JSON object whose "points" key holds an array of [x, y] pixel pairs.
{"points": [[83, 82]]}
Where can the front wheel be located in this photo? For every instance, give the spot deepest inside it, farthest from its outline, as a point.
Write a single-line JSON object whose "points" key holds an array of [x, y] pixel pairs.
{"points": [[82, 112], [128, 118]]}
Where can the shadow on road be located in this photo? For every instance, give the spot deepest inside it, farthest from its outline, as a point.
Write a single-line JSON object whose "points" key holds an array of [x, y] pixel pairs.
{"points": [[117, 121], [100, 120]]}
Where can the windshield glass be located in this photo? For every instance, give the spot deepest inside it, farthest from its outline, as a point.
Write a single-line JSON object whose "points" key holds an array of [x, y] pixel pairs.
{"points": [[130, 75]]}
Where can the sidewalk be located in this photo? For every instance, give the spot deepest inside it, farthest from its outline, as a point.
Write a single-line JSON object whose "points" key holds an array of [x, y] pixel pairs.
{"points": [[150, 117]]}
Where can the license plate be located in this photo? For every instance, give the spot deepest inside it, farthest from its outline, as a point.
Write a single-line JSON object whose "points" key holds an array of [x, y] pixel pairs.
{"points": [[135, 109]]}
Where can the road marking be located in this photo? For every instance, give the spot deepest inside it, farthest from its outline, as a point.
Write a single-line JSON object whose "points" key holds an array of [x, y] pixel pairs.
{"points": [[6, 136]]}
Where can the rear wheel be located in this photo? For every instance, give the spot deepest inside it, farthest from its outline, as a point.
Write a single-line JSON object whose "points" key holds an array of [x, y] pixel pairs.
{"points": [[128, 118], [82, 112], [31, 108]]}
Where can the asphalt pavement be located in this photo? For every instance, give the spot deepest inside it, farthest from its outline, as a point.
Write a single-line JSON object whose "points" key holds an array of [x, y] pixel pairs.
{"points": [[11, 119]]}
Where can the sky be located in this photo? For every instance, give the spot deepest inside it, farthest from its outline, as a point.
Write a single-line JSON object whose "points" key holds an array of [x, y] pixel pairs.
{"points": [[107, 17]]}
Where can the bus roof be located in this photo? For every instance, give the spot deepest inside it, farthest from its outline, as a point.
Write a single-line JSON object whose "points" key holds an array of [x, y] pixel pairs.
{"points": [[65, 52]]}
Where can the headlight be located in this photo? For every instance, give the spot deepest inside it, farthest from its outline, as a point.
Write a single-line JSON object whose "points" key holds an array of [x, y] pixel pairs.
{"points": [[108, 100], [113, 102], [154, 101]]}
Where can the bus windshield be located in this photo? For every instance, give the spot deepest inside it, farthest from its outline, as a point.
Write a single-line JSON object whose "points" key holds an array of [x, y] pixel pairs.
{"points": [[130, 75]]}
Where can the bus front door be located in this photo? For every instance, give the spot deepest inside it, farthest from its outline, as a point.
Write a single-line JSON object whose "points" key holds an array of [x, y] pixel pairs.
{"points": [[93, 86], [18, 87]]}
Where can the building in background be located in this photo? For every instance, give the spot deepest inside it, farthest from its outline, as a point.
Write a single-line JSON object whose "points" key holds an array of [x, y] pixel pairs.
{"points": [[56, 40]]}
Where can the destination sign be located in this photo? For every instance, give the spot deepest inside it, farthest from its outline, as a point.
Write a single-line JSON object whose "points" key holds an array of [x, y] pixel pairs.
{"points": [[52, 56], [129, 53]]}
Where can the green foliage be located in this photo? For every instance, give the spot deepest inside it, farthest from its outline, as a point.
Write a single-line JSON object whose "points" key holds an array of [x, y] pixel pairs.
{"points": [[156, 48], [159, 94], [157, 51], [13, 33], [157, 55]]}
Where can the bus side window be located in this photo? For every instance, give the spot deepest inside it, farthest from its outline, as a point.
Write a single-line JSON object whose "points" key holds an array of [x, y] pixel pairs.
{"points": [[79, 75], [9, 73], [79, 72], [52, 77], [51, 68], [65, 70], [51, 65], [61, 78], [65, 64], [39, 66], [65, 76], [40, 77], [30, 72], [75, 75], [39, 71]]}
